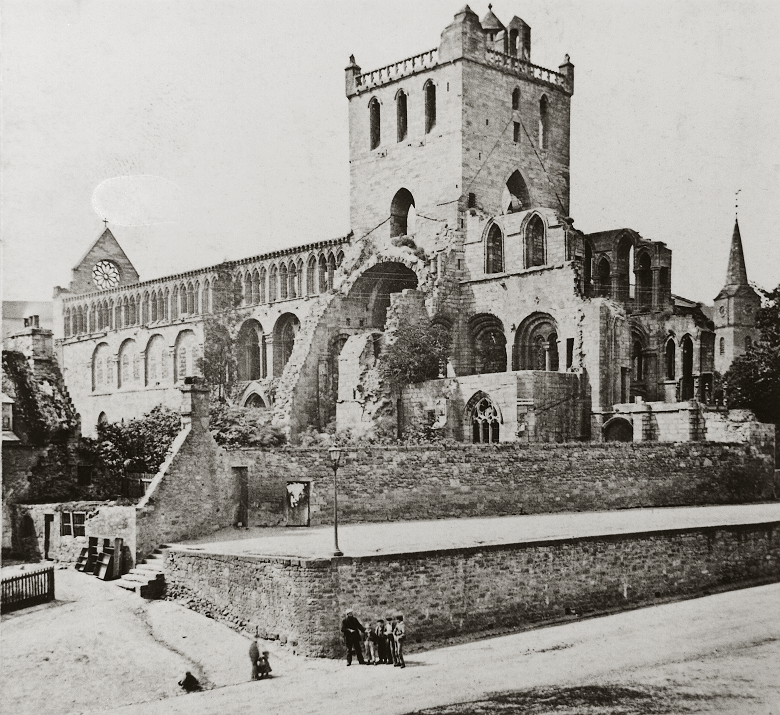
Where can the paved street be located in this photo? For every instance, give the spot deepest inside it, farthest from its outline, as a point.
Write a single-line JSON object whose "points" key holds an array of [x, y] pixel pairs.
{"points": [[411, 536]]}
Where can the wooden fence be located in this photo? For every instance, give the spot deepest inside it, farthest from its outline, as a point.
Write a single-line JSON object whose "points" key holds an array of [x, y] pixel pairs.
{"points": [[28, 588]]}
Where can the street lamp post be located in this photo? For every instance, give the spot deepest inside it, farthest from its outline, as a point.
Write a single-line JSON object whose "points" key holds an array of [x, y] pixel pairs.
{"points": [[335, 458]]}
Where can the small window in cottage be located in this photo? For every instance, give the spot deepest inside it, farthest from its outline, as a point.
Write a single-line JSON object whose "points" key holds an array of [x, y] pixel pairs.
{"points": [[79, 522], [66, 524]]}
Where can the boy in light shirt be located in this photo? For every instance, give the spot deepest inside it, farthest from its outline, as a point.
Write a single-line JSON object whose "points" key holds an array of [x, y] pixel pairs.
{"points": [[400, 636]]}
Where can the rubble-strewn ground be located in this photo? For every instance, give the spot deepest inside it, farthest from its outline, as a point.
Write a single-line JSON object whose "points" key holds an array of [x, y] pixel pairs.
{"points": [[98, 648]]}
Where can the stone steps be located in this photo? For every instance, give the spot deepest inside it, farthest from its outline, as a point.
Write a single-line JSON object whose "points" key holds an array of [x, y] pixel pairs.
{"points": [[147, 578]]}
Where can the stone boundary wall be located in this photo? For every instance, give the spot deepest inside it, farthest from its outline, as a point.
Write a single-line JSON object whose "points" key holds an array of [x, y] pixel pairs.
{"points": [[427, 482], [477, 590]]}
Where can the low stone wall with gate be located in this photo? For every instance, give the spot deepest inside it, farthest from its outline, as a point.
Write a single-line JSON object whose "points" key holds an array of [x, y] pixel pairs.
{"points": [[429, 482]]}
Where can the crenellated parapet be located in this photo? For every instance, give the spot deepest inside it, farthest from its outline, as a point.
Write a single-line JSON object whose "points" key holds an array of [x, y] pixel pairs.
{"points": [[563, 81], [384, 75]]}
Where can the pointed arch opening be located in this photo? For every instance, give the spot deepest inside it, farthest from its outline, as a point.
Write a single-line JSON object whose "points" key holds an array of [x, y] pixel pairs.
{"points": [[604, 278], [536, 344], [485, 419], [401, 117], [401, 207], [430, 106], [375, 134], [494, 250], [285, 331], [535, 242], [249, 351], [488, 344]]}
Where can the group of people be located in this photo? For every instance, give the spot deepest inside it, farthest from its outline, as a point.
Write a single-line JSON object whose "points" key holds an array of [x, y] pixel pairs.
{"points": [[384, 642]]}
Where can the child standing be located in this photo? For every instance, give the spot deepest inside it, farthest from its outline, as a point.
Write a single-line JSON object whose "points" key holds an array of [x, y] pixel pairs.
{"points": [[400, 637]]}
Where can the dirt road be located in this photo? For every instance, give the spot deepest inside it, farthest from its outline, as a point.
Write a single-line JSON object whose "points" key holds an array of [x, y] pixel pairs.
{"points": [[101, 649]]}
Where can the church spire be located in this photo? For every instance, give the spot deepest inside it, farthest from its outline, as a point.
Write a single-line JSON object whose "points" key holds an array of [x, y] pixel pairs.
{"points": [[736, 273]]}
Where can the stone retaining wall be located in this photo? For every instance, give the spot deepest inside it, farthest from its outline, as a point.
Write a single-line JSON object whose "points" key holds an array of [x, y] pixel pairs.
{"points": [[425, 482], [458, 592]]}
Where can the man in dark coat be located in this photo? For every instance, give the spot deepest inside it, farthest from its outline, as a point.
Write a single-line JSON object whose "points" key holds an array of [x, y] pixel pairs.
{"points": [[353, 631], [254, 656]]}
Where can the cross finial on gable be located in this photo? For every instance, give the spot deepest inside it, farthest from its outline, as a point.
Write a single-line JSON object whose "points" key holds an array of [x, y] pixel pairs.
{"points": [[105, 223]]}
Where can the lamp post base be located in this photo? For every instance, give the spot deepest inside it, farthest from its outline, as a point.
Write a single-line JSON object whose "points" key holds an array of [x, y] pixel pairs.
{"points": [[338, 553]]}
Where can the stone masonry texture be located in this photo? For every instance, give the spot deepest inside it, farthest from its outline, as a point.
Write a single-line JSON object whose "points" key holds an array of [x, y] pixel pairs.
{"points": [[428, 482], [467, 591]]}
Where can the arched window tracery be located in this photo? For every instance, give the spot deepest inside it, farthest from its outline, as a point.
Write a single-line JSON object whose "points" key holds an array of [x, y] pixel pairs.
{"points": [[494, 250], [535, 242], [485, 420]]}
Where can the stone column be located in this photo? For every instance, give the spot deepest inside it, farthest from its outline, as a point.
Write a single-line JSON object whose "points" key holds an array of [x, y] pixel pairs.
{"points": [[656, 289], [269, 354]]}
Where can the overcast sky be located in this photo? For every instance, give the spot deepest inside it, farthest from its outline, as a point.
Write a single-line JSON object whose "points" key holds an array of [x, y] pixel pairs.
{"points": [[205, 130]]}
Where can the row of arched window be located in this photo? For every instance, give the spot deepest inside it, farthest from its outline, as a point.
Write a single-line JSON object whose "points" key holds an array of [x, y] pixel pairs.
{"points": [[536, 345], [129, 310], [281, 282], [290, 280], [534, 246], [628, 275], [401, 115], [159, 365]]}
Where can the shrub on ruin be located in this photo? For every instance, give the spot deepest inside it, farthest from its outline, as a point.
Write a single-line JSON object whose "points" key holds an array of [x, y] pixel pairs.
{"points": [[139, 445], [243, 427], [418, 353]]}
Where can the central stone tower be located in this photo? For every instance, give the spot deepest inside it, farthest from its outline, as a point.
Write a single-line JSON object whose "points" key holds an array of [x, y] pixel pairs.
{"points": [[471, 124]]}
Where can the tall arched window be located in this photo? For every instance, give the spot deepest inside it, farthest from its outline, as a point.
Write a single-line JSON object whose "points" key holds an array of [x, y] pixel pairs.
{"points": [[272, 294], [205, 296], [100, 360], [283, 281], [293, 273], [534, 242], [670, 359], [494, 250], [184, 358], [175, 303], [339, 259], [485, 419], [430, 106], [544, 123], [323, 273], [722, 346], [604, 274], [401, 205], [516, 93], [644, 282], [311, 276], [513, 42], [686, 387], [66, 325], [488, 344], [249, 351], [400, 112], [331, 270], [191, 299], [536, 344], [154, 306], [261, 286], [374, 117], [637, 361], [153, 353], [128, 356]]}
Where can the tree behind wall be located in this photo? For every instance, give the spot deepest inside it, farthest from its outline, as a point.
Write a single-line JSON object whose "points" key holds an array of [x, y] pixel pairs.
{"points": [[753, 380]]}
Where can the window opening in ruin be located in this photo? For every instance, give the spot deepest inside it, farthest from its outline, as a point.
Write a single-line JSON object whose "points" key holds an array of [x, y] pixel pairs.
{"points": [[311, 276], [430, 106], [544, 122], [534, 242], [516, 132], [494, 250], [670, 359], [331, 271], [569, 353], [536, 344], [485, 422], [686, 388], [722, 348], [488, 344], [400, 104], [515, 196], [272, 294], [323, 274], [513, 42], [604, 278], [249, 354], [284, 340], [516, 92], [637, 361], [402, 214], [374, 129], [644, 282], [283, 281]]}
